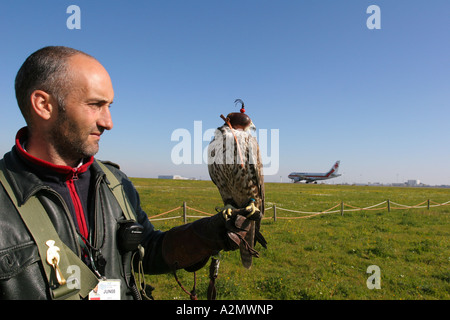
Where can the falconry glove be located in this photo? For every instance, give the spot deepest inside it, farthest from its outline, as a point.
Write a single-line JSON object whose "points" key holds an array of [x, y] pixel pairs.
{"points": [[189, 246]]}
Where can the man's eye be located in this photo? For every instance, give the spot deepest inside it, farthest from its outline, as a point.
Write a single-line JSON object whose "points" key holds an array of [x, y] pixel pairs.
{"points": [[100, 104]]}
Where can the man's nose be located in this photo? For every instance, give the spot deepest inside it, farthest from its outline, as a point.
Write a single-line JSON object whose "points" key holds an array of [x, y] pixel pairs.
{"points": [[105, 120]]}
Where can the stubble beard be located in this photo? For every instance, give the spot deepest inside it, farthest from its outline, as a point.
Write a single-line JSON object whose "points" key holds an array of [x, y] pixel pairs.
{"points": [[70, 141]]}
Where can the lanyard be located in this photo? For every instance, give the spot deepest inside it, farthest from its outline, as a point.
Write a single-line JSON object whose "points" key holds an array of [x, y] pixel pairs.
{"points": [[87, 249]]}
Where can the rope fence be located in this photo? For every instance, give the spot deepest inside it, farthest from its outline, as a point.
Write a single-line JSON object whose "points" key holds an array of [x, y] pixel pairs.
{"points": [[338, 208]]}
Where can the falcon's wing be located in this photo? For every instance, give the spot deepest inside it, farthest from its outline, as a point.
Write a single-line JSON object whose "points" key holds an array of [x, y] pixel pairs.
{"points": [[259, 177]]}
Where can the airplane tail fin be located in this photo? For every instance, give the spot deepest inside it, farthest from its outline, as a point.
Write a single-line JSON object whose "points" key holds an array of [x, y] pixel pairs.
{"points": [[334, 169]]}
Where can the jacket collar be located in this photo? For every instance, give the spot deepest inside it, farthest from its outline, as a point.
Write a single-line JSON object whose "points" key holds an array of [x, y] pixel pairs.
{"points": [[45, 166]]}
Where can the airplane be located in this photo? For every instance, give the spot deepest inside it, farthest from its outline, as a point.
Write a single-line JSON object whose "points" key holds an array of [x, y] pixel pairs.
{"points": [[313, 177]]}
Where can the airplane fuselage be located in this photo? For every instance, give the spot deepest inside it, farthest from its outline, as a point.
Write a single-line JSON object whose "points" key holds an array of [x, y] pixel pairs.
{"points": [[312, 176]]}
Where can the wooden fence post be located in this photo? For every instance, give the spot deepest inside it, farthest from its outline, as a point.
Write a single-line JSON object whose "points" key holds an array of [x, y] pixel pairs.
{"points": [[184, 212], [428, 206], [389, 205], [342, 208], [274, 213]]}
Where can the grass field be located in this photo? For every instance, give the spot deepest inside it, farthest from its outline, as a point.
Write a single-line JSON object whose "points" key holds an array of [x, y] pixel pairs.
{"points": [[325, 256]]}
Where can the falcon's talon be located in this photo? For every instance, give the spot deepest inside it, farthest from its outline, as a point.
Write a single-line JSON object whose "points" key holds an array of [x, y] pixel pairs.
{"points": [[227, 212], [251, 208]]}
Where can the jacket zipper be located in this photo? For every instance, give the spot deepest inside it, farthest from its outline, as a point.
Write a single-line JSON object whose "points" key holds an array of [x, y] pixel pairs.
{"points": [[79, 212]]}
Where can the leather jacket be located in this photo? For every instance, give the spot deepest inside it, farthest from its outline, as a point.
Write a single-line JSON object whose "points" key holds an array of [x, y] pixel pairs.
{"points": [[21, 271]]}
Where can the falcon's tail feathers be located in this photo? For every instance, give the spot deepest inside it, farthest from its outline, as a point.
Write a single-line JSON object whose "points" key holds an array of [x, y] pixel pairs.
{"points": [[260, 238]]}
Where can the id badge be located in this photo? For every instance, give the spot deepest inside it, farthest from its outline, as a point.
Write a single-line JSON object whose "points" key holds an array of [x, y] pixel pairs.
{"points": [[106, 290]]}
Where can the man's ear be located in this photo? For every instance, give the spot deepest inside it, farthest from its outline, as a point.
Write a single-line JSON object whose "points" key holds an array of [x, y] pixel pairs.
{"points": [[42, 104]]}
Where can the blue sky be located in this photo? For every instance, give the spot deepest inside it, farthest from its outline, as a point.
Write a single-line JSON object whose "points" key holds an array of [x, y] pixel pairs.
{"points": [[378, 100]]}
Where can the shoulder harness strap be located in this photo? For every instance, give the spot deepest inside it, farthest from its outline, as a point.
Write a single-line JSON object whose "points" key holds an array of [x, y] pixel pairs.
{"points": [[119, 193], [42, 230]]}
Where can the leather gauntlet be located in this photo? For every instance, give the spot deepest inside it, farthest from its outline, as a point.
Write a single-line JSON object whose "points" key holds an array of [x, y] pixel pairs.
{"points": [[189, 246]]}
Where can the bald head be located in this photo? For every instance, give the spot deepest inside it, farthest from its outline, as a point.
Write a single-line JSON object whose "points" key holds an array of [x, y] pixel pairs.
{"points": [[89, 80]]}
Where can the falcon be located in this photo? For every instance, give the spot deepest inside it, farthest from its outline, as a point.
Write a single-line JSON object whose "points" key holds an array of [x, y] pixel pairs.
{"points": [[235, 167]]}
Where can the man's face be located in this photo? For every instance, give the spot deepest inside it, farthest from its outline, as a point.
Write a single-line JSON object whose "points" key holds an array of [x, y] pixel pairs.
{"points": [[76, 132]]}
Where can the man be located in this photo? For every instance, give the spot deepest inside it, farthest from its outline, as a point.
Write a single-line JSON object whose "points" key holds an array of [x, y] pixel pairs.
{"points": [[65, 96]]}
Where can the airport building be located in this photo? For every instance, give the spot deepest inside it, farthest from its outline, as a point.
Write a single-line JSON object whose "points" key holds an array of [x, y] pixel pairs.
{"points": [[173, 177], [413, 183]]}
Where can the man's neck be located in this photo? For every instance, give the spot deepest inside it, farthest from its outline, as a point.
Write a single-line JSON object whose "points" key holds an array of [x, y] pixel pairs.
{"points": [[45, 151], [22, 140]]}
